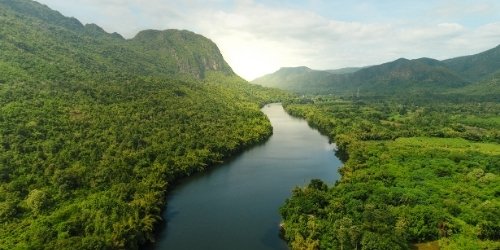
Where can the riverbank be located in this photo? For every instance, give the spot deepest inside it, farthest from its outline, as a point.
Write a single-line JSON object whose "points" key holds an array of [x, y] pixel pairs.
{"points": [[208, 165], [401, 184], [235, 206]]}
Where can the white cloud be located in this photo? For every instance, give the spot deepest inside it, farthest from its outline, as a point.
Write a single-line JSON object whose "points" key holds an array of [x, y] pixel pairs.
{"points": [[256, 39]]}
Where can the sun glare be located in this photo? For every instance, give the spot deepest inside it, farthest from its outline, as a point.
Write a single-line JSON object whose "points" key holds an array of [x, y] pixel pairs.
{"points": [[249, 60]]}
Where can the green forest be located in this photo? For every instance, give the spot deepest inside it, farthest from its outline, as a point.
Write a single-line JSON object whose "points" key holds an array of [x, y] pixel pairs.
{"points": [[94, 128], [417, 170], [87, 166]]}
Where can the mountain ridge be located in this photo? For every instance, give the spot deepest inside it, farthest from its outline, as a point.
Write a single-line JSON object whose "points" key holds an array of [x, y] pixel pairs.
{"points": [[294, 75], [46, 33], [165, 43], [401, 76], [478, 66]]}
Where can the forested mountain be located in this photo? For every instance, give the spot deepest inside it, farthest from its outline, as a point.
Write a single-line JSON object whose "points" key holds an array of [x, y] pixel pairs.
{"points": [[94, 128], [476, 67], [183, 51], [399, 77], [299, 79], [343, 70], [489, 85], [56, 43]]}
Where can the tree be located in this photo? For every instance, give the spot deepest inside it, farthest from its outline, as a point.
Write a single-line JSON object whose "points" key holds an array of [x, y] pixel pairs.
{"points": [[37, 200]]}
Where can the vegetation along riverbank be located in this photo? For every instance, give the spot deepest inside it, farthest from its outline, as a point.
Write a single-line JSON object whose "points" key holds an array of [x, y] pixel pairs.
{"points": [[94, 127], [417, 170]]}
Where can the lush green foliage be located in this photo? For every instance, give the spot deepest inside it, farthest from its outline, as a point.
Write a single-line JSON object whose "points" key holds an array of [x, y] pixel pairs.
{"points": [[415, 171], [87, 164], [489, 85], [94, 128], [399, 77]]}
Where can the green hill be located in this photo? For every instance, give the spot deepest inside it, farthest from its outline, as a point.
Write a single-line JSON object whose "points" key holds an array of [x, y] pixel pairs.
{"points": [[57, 43], [399, 77], [488, 86], [476, 67], [94, 128], [347, 70], [298, 79], [184, 51]]}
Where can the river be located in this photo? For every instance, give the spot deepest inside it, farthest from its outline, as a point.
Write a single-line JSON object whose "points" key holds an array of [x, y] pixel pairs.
{"points": [[236, 205]]}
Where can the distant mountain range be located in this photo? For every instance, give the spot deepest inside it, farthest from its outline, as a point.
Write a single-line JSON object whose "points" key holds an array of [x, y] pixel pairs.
{"points": [[475, 74]]}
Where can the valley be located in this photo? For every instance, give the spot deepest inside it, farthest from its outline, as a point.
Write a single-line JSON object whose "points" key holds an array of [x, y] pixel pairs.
{"points": [[153, 141]]}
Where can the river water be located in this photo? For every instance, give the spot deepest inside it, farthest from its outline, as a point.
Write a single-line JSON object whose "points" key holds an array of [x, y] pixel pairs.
{"points": [[236, 205]]}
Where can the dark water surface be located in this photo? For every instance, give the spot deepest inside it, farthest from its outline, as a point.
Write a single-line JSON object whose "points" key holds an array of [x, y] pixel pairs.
{"points": [[235, 206]]}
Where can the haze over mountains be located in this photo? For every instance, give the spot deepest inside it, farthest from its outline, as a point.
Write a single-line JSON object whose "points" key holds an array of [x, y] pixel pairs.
{"points": [[475, 74]]}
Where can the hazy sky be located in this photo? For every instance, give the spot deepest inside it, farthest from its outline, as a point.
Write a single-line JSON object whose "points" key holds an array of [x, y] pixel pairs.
{"points": [[258, 37]]}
